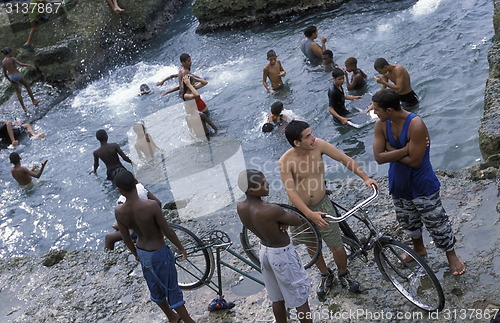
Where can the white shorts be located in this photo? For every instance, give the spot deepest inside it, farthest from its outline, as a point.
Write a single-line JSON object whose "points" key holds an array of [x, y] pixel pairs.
{"points": [[284, 276]]}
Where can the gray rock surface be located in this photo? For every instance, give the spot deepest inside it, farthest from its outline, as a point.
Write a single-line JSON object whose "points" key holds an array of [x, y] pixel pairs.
{"points": [[83, 38], [97, 286], [489, 131], [226, 14]]}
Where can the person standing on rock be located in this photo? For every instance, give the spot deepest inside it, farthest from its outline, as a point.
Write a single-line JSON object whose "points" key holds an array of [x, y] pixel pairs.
{"points": [[302, 172], [310, 48], [15, 77], [284, 276], [146, 219], [402, 139]]}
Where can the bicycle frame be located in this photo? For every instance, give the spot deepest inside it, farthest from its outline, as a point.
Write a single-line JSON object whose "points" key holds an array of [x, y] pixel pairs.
{"points": [[219, 246]]}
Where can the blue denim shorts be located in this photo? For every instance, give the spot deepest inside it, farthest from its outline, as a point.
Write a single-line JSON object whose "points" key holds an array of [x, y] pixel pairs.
{"points": [[158, 268]]}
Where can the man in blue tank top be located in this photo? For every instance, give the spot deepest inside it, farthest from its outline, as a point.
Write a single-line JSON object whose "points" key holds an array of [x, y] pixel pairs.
{"points": [[310, 48], [401, 139]]}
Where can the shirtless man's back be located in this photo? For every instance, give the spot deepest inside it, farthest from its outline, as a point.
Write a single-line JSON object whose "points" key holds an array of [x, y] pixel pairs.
{"points": [[146, 219], [108, 153]]}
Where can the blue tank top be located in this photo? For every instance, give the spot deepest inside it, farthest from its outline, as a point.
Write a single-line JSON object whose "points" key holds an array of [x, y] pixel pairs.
{"points": [[405, 181]]}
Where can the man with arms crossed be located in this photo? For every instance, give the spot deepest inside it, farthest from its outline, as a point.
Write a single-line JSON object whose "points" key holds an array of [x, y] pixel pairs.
{"points": [[401, 138], [146, 219], [303, 174], [401, 79], [285, 278]]}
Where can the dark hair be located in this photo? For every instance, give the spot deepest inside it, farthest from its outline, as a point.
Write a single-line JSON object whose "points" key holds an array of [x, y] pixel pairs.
{"points": [[387, 98], [267, 127], [293, 131], [351, 61], [276, 108], [125, 180], [14, 158], [271, 53], [328, 53], [380, 63], [6, 50], [184, 57], [145, 88], [101, 135], [336, 72], [249, 179], [309, 31]]}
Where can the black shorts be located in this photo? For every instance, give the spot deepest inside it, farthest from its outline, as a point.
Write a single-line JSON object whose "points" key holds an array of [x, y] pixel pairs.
{"points": [[409, 99], [17, 130]]}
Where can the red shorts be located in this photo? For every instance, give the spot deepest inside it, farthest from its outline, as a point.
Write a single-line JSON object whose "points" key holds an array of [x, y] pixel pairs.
{"points": [[200, 104]]}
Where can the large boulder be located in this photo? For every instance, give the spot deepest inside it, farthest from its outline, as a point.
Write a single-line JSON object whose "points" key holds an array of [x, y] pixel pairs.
{"points": [[225, 14], [83, 37], [489, 131]]}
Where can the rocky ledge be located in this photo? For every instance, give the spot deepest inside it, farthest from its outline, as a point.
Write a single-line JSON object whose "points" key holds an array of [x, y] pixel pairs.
{"points": [[489, 131], [98, 286], [226, 14], [84, 37]]}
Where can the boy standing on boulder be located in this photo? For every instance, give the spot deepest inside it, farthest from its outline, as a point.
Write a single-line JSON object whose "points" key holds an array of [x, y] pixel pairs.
{"points": [[146, 219], [15, 77], [285, 278]]}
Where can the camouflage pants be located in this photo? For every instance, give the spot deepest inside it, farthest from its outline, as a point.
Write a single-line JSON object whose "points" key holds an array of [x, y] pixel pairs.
{"points": [[428, 210]]}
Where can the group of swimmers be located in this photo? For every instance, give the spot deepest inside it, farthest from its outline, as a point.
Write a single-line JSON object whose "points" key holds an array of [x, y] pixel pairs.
{"points": [[140, 212]]}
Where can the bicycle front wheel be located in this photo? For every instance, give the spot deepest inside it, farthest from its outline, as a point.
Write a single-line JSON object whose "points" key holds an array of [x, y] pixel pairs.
{"points": [[305, 238], [415, 280], [198, 268]]}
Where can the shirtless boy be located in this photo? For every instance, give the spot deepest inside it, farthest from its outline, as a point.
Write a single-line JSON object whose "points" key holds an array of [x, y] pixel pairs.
{"points": [[146, 219], [15, 77], [274, 71], [22, 174], [358, 78], [402, 139], [108, 153], [400, 78], [302, 172], [284, 276]]}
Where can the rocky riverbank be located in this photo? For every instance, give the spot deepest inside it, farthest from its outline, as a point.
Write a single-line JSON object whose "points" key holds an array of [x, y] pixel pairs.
{"points": [[98, 286], [78, 42], [489, 131], [226, 14]]}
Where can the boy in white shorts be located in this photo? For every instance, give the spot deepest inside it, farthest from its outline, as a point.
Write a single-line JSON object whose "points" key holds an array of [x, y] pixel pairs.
{"points": [[285, 278]]}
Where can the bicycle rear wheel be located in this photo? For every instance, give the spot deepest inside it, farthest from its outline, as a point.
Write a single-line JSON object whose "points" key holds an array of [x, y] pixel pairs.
{"points": [[198, 268], [415, 280], [305, 238]]}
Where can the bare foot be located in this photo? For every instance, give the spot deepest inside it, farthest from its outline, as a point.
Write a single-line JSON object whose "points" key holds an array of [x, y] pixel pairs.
{"points": [[15, 143], [407, 258], [118, 10], [24, 109], [36, 101], [38, 136], [457, 266]]}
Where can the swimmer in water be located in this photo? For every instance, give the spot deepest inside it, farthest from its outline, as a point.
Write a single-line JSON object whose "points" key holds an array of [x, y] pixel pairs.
{"points": [[22, 174], [274, 71]]}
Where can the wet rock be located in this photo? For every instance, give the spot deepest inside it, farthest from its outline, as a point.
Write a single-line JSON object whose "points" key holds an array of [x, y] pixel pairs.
{"points": [[54, 257], [83, 38], [227, 14]]}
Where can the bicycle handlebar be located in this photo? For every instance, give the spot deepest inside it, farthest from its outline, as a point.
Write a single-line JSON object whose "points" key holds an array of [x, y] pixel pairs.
{"points": [[354, 209]]}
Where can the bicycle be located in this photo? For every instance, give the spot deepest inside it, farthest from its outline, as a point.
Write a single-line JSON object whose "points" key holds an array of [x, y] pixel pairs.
{"points": [[414, 280], [198, 269]]}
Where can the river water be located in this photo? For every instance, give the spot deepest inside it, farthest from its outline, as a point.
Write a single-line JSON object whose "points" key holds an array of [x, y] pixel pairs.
{"points": [[442, 43]]}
